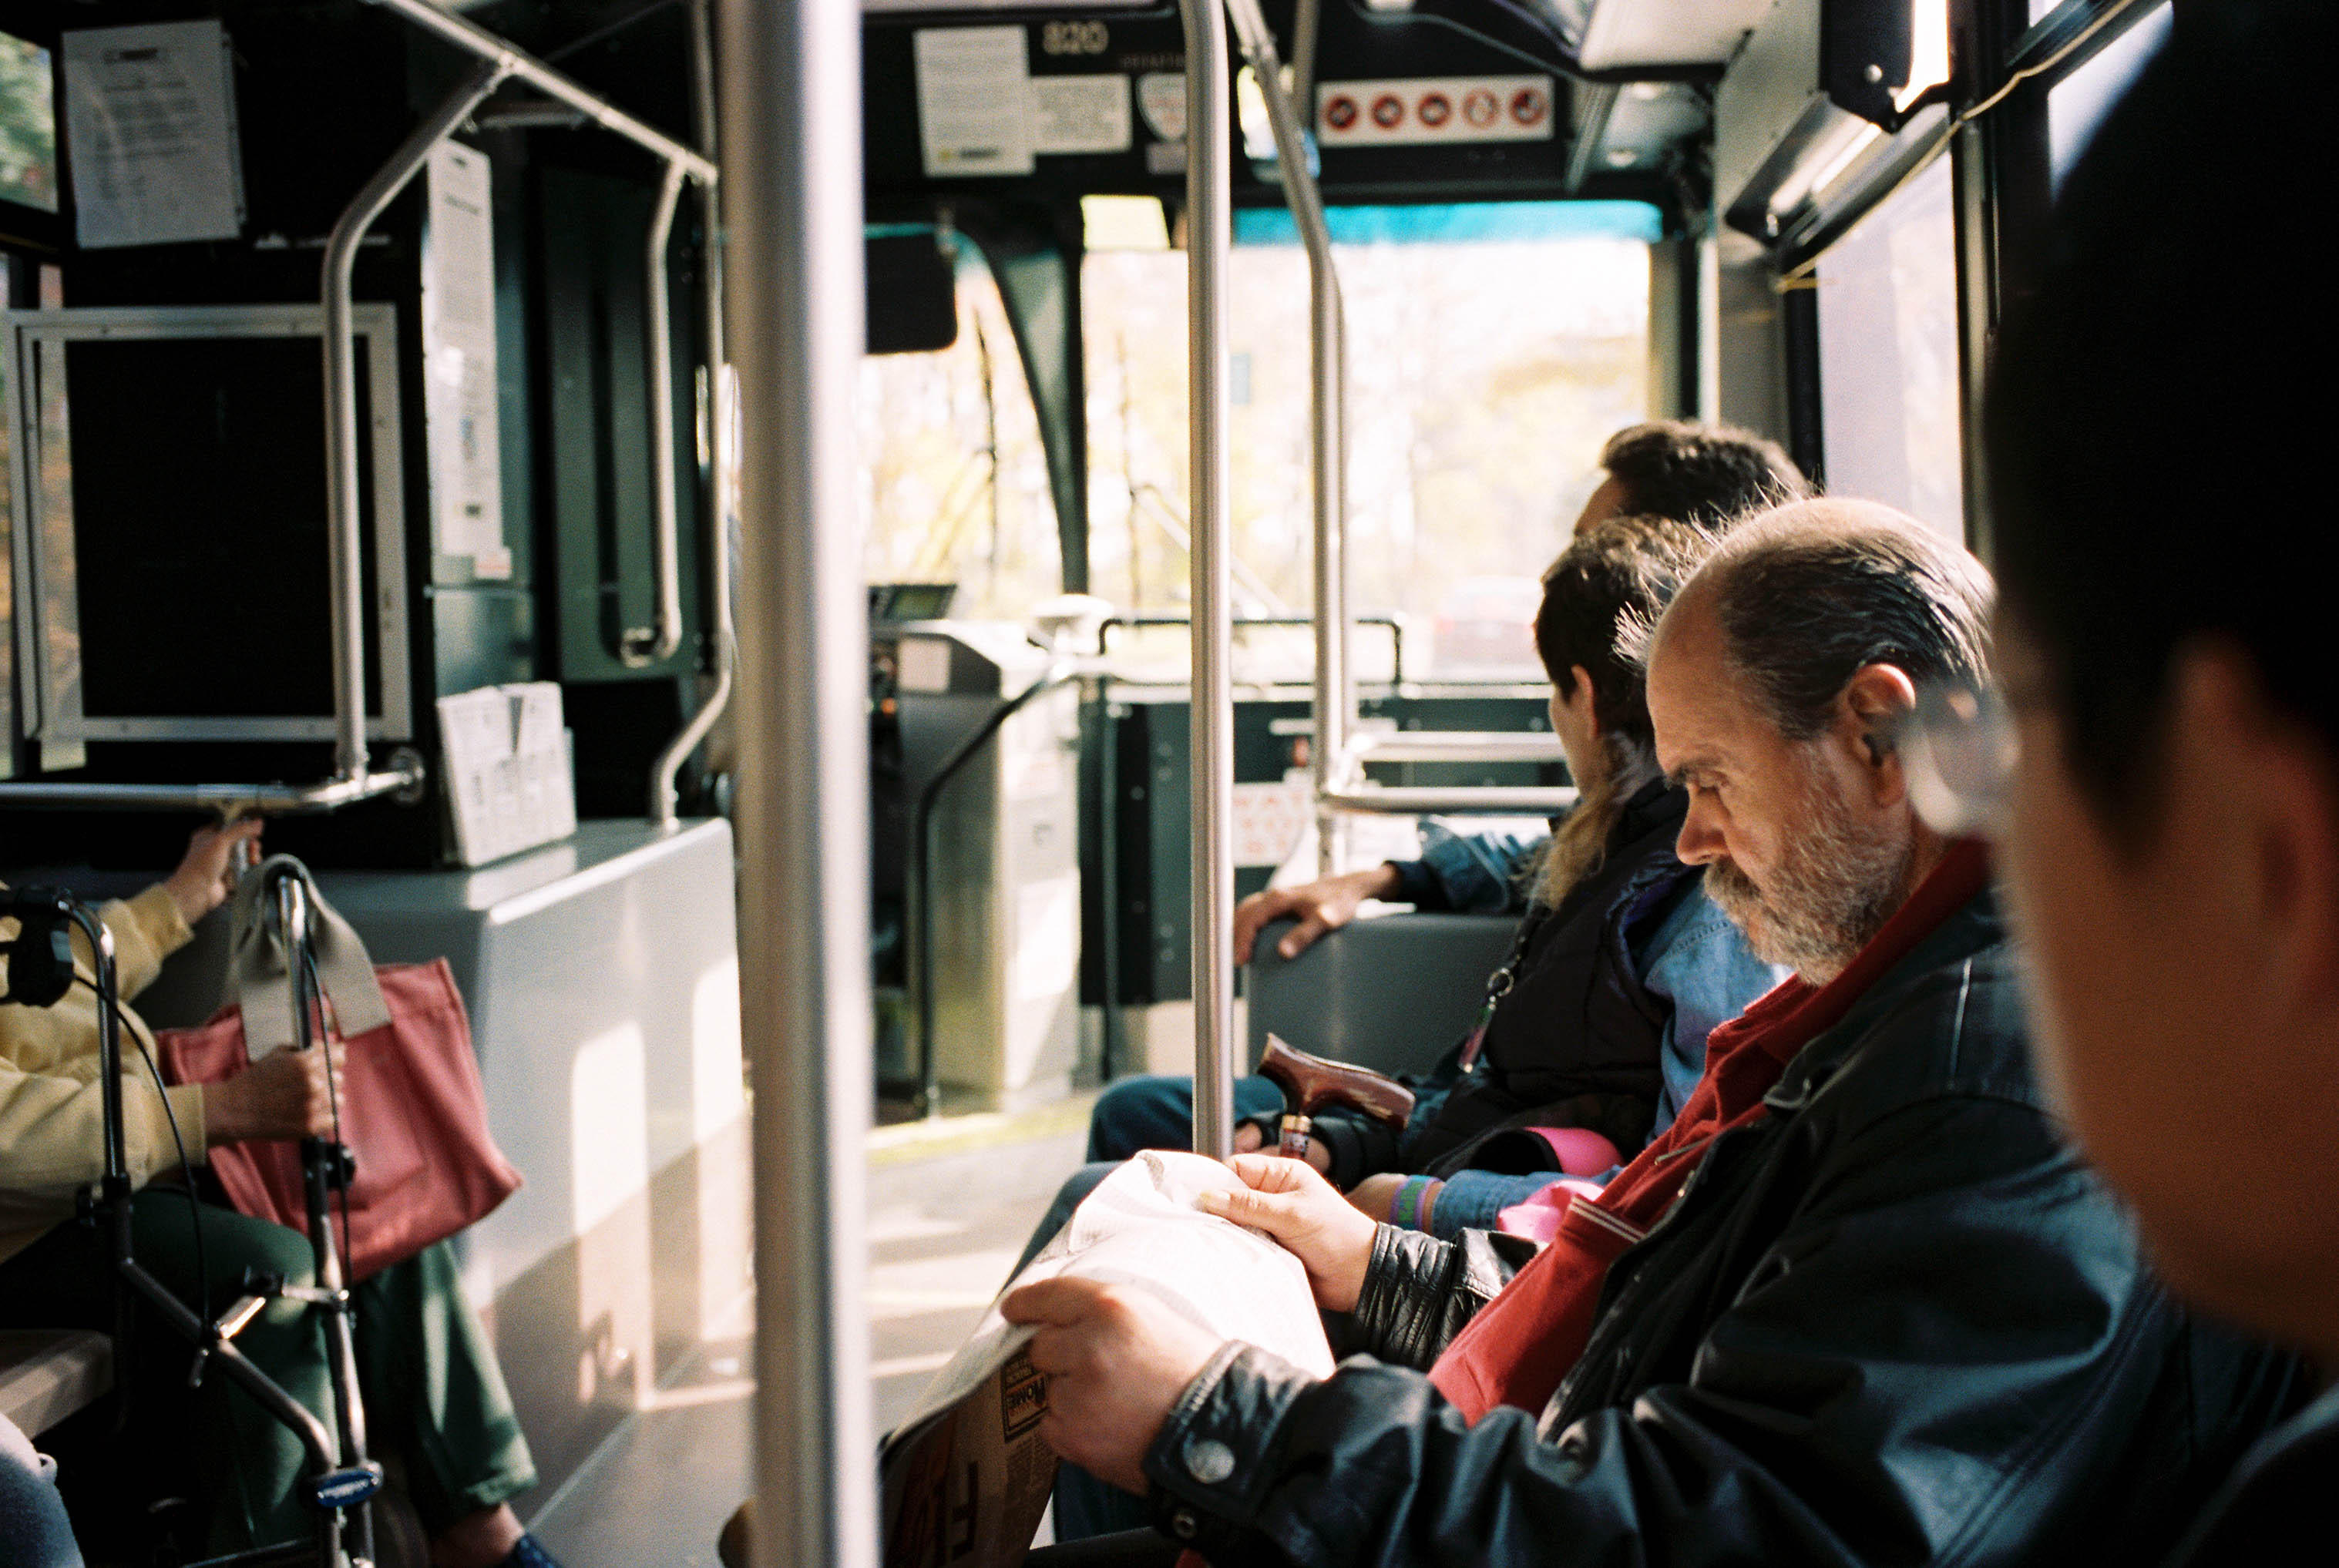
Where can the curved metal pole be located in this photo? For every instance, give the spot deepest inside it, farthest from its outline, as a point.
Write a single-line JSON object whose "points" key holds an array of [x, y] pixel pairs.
{"points": [[791, 105], [721, 504], [1209, 232], [344, 542], [511, 61], [1327, 375], [404, 778], [1480, 800], [647, 644], [919, 917]]}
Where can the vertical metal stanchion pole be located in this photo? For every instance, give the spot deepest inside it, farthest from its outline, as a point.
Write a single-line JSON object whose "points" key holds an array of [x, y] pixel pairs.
{"points": [[791, 102], [1208, 226]]}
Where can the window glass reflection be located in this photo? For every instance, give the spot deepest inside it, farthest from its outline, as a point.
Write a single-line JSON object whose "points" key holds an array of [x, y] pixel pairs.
{"points": [[1888, 313]]}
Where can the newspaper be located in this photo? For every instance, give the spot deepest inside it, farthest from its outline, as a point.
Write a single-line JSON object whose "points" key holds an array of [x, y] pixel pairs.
{"points": [[966, 1476]]}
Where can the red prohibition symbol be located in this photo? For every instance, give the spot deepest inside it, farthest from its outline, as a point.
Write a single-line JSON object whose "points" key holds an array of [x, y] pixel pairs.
{"points": [[1482, 108], [1388, 111], [1340, 113], [1527, 105], [1434, 110]]}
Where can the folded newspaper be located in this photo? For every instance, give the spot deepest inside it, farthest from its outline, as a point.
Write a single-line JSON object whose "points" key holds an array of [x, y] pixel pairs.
{"points": [[966, 1476]]}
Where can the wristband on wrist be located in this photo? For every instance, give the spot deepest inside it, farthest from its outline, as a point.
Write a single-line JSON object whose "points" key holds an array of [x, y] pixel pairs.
{"points": [[1405, 1210]]}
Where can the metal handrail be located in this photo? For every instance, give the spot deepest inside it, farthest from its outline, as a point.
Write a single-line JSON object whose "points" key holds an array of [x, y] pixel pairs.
{"points": [[1429, 800], [344, 540], [1396, 630], [404, 777], [664, 805], [1336, 692], [1458, 746], [640, 645], [1210, 710], [522, 66], [918, 927]]}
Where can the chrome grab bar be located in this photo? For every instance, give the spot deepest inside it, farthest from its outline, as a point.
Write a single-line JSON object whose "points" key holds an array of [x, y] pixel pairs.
{"points": [[1456, 746], [404, 778], [1208, 236], [345, 541], [522, 66], [1336, 692], [664, 805], [640, 645], [1429, 800]]}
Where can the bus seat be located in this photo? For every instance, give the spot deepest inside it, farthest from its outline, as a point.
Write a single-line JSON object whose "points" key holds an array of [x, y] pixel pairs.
{"points": [[1391, 992], [46, 1375]]}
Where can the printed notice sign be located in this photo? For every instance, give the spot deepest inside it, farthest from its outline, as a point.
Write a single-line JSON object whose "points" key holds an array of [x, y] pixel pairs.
{"points": [[459, 348], [1081, 114], [974, 101], [149, 122]]}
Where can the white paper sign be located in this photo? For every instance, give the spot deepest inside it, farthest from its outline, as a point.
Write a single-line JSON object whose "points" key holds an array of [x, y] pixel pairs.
{"points": [[150, 124], [1162, 96], [459, 348], [974, 101], [1081, 114], [506, 769]]}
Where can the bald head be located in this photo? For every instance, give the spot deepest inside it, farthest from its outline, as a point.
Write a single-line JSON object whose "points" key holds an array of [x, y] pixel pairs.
{"points": [[1800, 598]]}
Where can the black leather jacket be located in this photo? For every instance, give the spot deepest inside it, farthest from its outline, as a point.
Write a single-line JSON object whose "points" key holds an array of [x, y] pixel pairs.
{"points": [[1897, 1321]]}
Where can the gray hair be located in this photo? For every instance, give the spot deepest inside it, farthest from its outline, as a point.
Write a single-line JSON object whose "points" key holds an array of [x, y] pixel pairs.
{"points": [[1809, 593]]}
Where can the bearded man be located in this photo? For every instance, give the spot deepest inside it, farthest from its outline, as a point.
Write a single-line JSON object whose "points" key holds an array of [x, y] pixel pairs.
{"points": [[1860, 1304]]}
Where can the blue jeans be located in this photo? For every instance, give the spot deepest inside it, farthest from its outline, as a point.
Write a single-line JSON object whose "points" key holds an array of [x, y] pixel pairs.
{"points": [[1155, 1111]]}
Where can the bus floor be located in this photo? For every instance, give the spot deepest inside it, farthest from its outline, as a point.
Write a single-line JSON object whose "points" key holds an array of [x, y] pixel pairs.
{"points": [[951, 1204]]}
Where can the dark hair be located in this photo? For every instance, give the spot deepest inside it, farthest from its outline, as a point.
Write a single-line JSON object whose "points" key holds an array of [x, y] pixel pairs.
{"points": [[1696, 473], [1614, 577], [1808, 595], [1619, 574], [2157, 474]]}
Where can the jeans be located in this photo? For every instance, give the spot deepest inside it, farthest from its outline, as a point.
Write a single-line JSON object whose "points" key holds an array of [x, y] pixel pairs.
{"points": [[432, 1391]]}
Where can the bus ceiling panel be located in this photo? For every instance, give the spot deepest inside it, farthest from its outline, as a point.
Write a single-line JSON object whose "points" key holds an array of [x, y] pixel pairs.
{"points": [[1814, 105], [1636, 34], [1394, 103]]}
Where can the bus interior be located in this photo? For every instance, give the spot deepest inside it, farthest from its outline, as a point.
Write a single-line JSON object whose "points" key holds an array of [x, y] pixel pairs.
{"points": [[811, 554]]}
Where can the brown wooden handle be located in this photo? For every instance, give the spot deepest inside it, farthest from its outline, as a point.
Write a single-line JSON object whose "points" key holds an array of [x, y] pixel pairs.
{"points": [[1310, 1084]]}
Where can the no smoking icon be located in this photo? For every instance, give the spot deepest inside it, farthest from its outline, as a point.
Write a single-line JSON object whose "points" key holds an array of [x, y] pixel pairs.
{"points": [[1340, 113], [1434, 110], [1481, 107]]}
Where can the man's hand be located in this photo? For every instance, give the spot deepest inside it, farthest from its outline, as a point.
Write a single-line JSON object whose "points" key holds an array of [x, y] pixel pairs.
{"points": [[1320, 906], [208, 872], [283, 1095], [1248, 1140], [1307, 1214], [1117, 1357]]}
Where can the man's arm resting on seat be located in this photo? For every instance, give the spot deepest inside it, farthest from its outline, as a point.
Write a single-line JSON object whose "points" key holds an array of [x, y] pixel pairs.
{"points": [[1849, 1409]]}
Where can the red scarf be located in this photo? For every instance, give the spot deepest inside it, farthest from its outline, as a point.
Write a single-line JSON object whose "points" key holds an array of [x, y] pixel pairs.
{"points": [[1516, 1350]]}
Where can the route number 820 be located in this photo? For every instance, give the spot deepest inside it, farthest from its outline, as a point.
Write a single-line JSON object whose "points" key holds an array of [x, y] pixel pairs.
{"points": [[1073, 38]]}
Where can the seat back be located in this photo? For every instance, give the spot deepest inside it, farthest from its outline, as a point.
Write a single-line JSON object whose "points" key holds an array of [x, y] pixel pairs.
{"points": [[1391, 993]]}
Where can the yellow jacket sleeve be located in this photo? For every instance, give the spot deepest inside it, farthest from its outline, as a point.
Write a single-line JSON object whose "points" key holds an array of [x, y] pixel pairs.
{"points": [[52, 1115]]}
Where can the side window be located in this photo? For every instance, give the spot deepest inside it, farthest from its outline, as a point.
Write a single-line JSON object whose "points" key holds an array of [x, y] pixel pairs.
{"points": [[955, 483], [1887, 319], [2079, 102]]}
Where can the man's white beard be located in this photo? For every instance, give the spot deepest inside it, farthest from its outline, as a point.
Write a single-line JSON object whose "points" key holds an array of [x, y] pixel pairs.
{"points": [[1833, 890]]}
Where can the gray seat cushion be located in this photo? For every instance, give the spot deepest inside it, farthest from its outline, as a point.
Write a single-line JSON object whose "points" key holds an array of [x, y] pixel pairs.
{"points": [[1390, 993]]}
